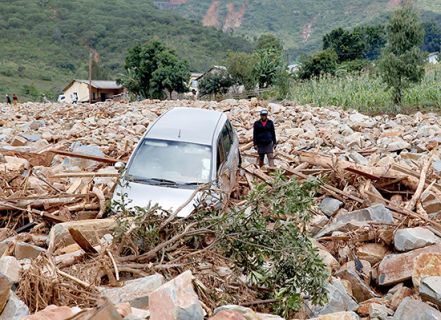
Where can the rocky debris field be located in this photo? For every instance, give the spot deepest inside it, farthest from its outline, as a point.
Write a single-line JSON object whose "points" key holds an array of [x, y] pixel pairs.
{"points": [[376, 221]]}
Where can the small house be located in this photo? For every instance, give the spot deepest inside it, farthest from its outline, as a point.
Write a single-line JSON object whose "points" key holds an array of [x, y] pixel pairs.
{"points": [[101, 90], [433, 58]]}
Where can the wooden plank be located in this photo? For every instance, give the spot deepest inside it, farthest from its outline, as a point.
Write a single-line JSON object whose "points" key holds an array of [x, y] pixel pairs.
{"points": [[84, 244], [85, 156]]}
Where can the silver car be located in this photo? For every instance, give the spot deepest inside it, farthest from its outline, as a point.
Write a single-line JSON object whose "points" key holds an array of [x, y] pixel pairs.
{"points": [[181, 150]]}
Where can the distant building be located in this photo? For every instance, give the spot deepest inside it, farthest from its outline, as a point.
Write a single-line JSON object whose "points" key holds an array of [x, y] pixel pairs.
{"points": [[212, 70], [101, 90], [293, 68], [433, 58]]}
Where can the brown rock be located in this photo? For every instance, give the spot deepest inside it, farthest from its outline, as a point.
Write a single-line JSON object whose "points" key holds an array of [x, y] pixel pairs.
{"points": [[425, 265], [176, 300], [52, 313], [345, 315], [228, 315], [372, 252], [397, 268], [363, 309], [25, 250], [18, 141], [360, 290], [5, 287], [399, 296]]}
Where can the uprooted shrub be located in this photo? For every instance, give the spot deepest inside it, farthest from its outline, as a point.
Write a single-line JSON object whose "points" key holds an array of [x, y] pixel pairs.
{"points": [[264, 237]]}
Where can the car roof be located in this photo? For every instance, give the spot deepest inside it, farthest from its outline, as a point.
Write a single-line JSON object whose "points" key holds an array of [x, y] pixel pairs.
{"points": [[188, 125]]}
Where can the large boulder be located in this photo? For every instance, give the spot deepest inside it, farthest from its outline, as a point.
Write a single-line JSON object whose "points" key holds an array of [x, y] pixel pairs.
{"points": [[410, 309], [136, 291], [338, 300], [425, 265], [176, 300], [413, 238], [395, 268], [60, 237], [234, 312]]}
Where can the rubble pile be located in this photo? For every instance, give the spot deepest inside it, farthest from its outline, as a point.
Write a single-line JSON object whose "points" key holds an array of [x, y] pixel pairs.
{"points": [[376, 222]]}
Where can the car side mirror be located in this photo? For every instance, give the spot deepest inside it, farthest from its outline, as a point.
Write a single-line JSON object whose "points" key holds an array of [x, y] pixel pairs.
{"points": [[119, 165]]}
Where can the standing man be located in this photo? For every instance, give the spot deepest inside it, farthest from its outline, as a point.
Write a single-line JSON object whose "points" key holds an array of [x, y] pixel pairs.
{"points": [[14, 99], [8, 100], [264, 137]]}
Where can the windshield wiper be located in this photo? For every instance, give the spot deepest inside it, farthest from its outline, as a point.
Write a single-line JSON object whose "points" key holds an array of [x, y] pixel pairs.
{"points": [[164, 181], [191, 183]]}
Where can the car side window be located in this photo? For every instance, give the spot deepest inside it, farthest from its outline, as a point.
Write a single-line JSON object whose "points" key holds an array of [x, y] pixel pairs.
{"points": [[220, 153], [227, 138], [230, 129]]}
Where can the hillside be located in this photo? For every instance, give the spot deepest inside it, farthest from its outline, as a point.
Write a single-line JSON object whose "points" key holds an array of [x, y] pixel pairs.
{"points": [[301, 23], [46, 42]]}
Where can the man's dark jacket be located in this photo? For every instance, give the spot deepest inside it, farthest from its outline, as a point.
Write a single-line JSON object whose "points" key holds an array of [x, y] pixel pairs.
{"points": [[264, 135]]}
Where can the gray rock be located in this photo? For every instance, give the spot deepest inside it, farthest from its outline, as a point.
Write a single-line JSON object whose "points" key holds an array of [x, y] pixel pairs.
{"points": [[83, 163], [136, 291], [329, 206], [10, 267], [436, 165], [360, 290], [15, 309], [32, 137], [36, 124], [358, 218], [430, 289], [410, 309], [414, 238], [338, 300], [358, 158], [378, 213], [379, 311]]}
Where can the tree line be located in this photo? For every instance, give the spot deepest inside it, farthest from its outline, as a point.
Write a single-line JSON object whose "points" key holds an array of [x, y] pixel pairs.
{"points": [[397, 49]]}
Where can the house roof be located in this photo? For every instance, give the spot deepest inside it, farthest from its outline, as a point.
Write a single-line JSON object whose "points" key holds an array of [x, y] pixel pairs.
{"points": [[209, 70], [98, 84]]}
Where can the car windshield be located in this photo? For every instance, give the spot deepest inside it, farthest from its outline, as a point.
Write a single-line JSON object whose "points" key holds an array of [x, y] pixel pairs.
{"points": [[171, 162]]}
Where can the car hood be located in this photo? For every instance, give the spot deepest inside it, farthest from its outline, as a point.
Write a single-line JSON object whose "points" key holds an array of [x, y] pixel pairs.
{"points": [[140, 195]]}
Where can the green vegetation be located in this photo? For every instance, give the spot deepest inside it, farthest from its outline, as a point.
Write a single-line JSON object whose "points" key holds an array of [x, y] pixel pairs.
{"points": [[366, 92], [240, 235], [402, 62], [319, 64], [153, 69], [301, 24], [46, 43]]}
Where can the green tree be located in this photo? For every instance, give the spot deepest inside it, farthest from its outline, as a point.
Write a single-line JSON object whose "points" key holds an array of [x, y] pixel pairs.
{"points": [[402, 62], [348, 45], [269, 41], [215, 83], [374, 40], [318, 64], [240, 66], [152, 69], [269, 64], [432, 37]]}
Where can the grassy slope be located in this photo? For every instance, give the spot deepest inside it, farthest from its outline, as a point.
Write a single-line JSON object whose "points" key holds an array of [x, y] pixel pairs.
{"points": [[44, 42], [288, 18]]}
